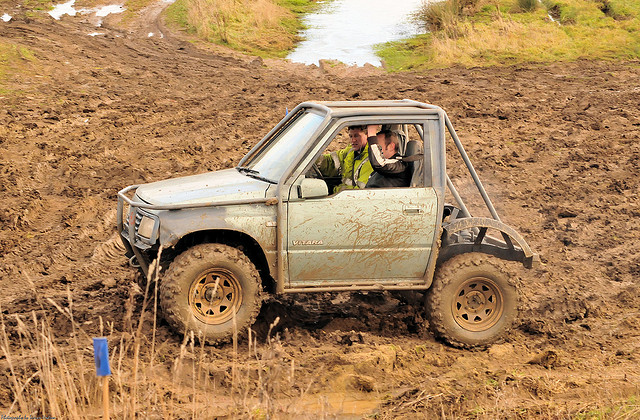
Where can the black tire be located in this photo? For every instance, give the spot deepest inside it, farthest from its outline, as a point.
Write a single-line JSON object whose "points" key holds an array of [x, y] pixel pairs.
{"points": [[473, 300], [205, 286]]}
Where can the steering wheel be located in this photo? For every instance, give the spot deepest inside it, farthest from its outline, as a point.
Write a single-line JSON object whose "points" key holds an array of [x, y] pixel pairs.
{"points": [[316, 171]]}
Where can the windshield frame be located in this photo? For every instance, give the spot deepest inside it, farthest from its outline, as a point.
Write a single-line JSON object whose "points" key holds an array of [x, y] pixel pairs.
{"points": [[271, 148]]}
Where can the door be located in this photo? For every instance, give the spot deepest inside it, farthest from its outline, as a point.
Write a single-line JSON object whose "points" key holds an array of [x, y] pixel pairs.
{"points": [[356, 235]]}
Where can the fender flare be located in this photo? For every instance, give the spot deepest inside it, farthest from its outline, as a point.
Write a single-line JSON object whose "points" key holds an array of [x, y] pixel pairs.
{"points": [[483, 223]]}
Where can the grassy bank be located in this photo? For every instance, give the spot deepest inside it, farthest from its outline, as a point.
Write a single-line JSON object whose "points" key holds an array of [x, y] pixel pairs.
{"points": [[502, 32], [268, 28]]}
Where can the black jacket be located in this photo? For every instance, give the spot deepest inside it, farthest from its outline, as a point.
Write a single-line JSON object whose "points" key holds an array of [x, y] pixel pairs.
{"points": [[387, 173]]}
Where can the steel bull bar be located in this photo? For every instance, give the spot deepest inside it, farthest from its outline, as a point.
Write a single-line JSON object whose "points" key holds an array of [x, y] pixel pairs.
{"points": [[129, 240]]}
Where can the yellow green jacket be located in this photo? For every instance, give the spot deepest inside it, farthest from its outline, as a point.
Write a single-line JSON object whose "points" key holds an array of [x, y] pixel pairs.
{"points": [[355, 171]]}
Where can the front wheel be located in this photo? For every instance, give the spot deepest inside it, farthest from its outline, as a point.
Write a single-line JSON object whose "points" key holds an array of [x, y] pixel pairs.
{"points": [[473, 300], [207, 289]]}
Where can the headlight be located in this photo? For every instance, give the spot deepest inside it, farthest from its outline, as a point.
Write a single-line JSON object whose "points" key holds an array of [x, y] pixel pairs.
{"points": [[145, 229]]}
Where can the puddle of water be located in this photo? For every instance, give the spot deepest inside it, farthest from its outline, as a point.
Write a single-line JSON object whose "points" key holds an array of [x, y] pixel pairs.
{"points": [[107, 10], [100, 12], [347, 30], [5, 18], [63, 9]]}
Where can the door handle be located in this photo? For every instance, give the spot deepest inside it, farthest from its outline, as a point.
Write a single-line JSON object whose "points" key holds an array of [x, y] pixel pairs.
{"points": [[411, 210]]}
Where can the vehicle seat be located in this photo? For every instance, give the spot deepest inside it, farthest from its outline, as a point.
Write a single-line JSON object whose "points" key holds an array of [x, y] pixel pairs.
{"points": [[414, 148]]}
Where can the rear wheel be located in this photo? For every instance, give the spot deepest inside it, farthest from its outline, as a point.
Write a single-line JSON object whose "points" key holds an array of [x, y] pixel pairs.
{"points": [[209, 287], [473, 300]]}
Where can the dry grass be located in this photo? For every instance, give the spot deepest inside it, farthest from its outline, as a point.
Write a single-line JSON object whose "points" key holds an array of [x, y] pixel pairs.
{"points": [[445, 16], [504, 32], [14, 59], [53, 376], [44, 380], [262, 27], [539, 43], [50, 373], [527, 5]]}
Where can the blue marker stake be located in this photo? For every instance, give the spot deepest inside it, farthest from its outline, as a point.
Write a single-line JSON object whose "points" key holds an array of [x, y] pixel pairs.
{"points": [[286, 111], [101, 357]]}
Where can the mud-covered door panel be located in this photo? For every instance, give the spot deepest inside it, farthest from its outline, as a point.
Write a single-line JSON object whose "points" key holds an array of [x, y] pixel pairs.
{"points": [[362, 234]]}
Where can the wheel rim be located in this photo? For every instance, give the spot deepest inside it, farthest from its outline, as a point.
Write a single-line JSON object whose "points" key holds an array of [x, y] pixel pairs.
{"points": [[215, 296], [478, 304]]}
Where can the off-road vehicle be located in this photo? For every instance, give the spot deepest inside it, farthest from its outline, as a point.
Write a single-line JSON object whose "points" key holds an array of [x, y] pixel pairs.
{"points": [[274, 225]]}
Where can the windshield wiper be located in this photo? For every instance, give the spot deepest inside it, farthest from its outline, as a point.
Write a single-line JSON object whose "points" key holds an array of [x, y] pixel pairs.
{"points": [[247, 170], [254, 174]]}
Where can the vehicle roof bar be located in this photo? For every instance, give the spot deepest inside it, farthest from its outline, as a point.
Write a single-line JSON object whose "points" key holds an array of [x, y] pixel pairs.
{"points": [[456, 196], [472, 171], [467, 162], [373, 104]]}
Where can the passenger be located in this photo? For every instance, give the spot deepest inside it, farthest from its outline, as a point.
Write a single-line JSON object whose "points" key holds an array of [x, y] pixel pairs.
{"points": [[351, 163], [389, 169]]}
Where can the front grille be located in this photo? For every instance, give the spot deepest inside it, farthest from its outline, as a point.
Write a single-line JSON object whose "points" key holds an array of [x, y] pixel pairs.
{"points": [[138, 220]]}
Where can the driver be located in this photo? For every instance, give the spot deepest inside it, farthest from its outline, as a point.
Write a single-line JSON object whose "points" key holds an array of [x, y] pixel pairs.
{"points": [[351, 163]]}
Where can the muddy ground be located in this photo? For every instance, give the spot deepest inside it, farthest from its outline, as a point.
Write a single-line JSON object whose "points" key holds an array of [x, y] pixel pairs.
{"points": [[557, 145]]}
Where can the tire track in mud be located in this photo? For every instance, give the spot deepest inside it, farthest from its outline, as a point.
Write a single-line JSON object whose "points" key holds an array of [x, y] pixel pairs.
{"points": [[125, 110], [119, 108], [109, 252]]}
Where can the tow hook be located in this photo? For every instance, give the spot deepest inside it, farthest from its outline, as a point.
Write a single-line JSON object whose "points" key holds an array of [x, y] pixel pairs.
{"points": [[133, 262]]}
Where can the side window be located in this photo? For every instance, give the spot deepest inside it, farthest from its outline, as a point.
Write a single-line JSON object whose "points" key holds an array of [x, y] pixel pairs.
{"points": [[344, 164], [394, 160], [397, 157]]}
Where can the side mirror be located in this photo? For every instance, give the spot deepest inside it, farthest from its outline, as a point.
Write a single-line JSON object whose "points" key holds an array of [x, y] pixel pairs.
{"points": [[312, 188]]}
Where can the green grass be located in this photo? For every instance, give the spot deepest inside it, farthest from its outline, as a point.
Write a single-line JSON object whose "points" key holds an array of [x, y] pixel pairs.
{"points": [[492, 33], [629, 409], [132, 7], [39, 5], [267, 28], [13, 59], [33, 9]]}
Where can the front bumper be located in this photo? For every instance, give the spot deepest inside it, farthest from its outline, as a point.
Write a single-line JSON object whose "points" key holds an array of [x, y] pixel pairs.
{"points": [[137, 248], [143, 248]]}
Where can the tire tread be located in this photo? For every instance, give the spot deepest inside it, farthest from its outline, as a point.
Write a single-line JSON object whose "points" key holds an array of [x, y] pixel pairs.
{"points": [[170, 290], [443, 277]]}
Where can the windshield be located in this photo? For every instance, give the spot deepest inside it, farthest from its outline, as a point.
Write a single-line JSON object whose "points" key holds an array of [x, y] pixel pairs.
{"points": [[271, 162]]}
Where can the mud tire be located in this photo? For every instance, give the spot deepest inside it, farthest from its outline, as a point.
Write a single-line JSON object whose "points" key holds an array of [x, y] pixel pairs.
{"points": [[192, 273], [465, 284]]}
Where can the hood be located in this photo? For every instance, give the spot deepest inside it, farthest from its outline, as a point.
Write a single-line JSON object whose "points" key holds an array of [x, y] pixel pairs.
{"points": [[211, 187]]}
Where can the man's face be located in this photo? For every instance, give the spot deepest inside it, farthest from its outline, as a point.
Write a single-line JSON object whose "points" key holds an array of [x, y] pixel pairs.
{"points": [[358, 138], [388, 150]]}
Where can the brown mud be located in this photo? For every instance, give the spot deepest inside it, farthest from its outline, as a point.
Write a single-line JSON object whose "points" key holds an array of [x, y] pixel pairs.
{"points": [[558, 147]]}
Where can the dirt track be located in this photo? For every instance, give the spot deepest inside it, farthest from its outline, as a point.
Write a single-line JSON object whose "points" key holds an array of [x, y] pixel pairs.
{"points": [[558, 148]]}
